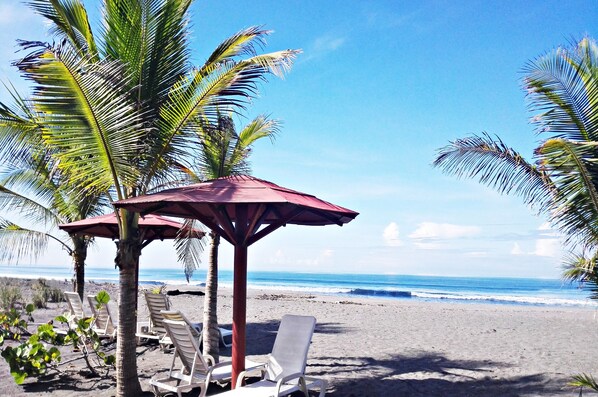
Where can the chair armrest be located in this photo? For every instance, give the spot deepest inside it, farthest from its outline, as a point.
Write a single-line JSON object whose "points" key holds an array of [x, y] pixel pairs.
{"points": [[310, 382], [299, 376], [209, 360], [249, 371]]}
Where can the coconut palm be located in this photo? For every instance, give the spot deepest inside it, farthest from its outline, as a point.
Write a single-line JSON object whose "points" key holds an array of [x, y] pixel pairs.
{"points": [[121, 109], [562, 183], [31, 188], [224, 153]]}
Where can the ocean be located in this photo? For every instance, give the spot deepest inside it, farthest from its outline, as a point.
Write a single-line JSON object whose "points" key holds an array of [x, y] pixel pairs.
{"points": [[508, 291]]}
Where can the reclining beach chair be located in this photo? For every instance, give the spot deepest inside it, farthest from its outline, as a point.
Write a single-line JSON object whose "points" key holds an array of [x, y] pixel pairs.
{"points": [[106, 322], [176, 315], [75, 305], [284, 372], [154, 329], [196, 370]]}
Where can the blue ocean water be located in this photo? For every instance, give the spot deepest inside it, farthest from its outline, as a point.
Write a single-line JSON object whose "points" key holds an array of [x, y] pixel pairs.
{"points": [[514, 291]]}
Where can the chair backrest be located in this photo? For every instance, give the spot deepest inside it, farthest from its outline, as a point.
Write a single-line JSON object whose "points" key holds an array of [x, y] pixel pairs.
{"points": [[75, 304], [289, 354], [177, 315], [186, 347], [155, 304], [104, 319]]}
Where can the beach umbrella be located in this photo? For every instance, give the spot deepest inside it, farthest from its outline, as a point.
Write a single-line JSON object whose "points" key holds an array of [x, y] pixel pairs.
{"points": [[242, 210], [152, 227]]}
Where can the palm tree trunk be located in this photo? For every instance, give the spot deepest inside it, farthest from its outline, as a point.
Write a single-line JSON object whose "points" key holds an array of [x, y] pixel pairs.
{"points": [[79, 255], [127, 260], [211, 333]]}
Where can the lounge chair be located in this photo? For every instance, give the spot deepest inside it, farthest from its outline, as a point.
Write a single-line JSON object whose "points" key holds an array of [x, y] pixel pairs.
{"points": [[176, 315], [75, 305], [196, 370], [154, 329], [105, 322], [284, 371]]}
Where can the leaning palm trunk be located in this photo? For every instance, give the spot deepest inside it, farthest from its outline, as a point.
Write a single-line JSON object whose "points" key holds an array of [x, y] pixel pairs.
{"points": [[79, 255], [127, 260], [211, 332]]}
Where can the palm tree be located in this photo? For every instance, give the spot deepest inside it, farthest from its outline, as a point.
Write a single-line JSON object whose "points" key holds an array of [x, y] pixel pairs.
{"points": [[563, 182], [31, 187], [224, 153], [120, 111]]}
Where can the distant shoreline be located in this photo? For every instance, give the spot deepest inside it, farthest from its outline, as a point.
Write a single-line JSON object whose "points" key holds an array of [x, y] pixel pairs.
{"points": [[466, 290]]}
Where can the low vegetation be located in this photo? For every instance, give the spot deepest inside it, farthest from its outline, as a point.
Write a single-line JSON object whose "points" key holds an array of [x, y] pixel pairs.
{"points": [[34, 354]]}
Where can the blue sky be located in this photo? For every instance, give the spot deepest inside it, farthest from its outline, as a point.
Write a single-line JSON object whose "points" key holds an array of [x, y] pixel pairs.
{"points": [[379, 87]]}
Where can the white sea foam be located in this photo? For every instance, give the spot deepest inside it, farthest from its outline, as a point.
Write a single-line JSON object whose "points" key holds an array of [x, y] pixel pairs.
{"points": [[529, 300]]}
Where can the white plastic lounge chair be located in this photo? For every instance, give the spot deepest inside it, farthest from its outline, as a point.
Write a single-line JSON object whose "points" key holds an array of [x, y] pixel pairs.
{"points": [[105, 322], [284, 372], [75, 305], [196, 370], [154, 329], [176, 315]]}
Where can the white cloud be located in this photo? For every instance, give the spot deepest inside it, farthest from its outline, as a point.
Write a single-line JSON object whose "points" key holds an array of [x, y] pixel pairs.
{"points": [[391, 235], [431, 230], [323, 46], [550, 247], [328, 43]]}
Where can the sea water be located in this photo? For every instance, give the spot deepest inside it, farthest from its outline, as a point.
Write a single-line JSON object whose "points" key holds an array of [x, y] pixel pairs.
{"points": [[513, 291]]}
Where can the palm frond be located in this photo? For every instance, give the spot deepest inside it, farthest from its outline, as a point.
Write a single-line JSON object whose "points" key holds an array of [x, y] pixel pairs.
{"points": [[198, 96], [581, 269], [17, 243], [189, 246], [494, 164], [572, 168], [86, 117], [20, 132], [36, 212], [69, 20], [563, 87], [585, 380], [242, 43]]}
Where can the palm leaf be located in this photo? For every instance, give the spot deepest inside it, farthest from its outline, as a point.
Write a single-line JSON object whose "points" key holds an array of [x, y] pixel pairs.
{"points": [[562, 85], [198, 96], [189, 246], [69, 19], [17, 242], [572, 168], [585, 380], [86, 117], [498, 166]]}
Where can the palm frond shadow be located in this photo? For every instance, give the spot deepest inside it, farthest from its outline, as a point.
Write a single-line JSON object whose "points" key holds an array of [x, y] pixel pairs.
{"points": [[429, 374]]}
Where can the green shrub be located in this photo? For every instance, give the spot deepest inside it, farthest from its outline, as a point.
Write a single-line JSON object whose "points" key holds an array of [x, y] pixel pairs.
{"points": [[10, 295], [43, 293]]}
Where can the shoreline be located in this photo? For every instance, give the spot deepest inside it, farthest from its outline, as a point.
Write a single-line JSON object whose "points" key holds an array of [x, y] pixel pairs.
{"points": [[390, 293], [381, 347]]}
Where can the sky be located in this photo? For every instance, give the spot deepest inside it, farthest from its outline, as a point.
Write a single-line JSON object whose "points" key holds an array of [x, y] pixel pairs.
{"points": [[379, 87]]}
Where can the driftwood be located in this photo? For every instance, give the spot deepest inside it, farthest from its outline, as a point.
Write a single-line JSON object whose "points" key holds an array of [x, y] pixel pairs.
{"points": [[177, 292]]}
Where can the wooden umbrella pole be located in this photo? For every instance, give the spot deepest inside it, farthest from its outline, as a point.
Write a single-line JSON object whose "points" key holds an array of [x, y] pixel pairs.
{"points": [[239, 294]]}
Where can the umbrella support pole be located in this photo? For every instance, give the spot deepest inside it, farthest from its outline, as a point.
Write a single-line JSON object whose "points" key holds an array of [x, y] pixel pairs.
{"points": [[239, 311]]}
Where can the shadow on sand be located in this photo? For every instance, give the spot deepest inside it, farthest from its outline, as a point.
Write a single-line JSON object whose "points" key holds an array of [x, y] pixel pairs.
{"points": [[429, 374]]}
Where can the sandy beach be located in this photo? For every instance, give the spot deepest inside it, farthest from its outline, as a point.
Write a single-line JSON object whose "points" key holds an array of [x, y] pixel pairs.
{"points": [[375, 347]]}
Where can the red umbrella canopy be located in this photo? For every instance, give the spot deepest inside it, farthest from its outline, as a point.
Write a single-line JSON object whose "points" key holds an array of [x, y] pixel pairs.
{"points": [[241, 209], [216, 203], [153, 227]]}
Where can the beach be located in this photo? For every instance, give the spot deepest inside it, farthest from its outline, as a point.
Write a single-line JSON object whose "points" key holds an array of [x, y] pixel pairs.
{"points": [[377, 347]]}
